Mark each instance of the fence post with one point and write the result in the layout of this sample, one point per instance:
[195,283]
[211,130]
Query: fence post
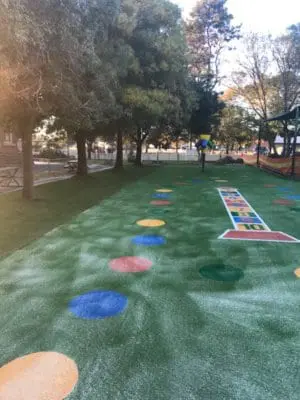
[295,142]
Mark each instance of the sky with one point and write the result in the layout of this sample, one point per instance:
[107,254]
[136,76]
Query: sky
[261,16]
[265,16]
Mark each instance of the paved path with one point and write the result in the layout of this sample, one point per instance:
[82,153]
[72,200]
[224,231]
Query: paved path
[42,181]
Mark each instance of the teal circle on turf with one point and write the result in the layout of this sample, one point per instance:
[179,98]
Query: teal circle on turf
[149,240]
[221,273]
[296,209]
[197,180]
[98,304]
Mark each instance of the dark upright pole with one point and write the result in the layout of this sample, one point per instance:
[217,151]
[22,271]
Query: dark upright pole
[203,160]
[295,143]
[259,144]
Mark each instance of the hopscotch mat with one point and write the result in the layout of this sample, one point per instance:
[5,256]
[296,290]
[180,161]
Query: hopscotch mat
[248,225]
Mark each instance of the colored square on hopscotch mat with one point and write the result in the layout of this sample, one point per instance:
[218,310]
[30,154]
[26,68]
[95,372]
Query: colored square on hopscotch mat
[247,220]
[228,189]
[239,209]
[234,204]
[234,198]
[233,194]
[231,198]
[243,214]
[248,227]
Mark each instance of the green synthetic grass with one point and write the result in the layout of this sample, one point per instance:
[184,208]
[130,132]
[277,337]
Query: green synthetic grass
[56,203]
[192,329]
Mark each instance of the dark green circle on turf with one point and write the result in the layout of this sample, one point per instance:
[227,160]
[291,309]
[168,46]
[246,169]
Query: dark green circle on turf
[296,209]
[221,273]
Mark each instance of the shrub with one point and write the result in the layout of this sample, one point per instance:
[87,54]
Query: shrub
[52,154]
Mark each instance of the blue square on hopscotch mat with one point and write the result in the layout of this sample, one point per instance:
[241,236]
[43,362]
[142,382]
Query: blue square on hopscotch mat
[294,197]
[247,220]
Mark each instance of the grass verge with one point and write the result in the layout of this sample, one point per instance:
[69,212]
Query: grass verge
[56,203]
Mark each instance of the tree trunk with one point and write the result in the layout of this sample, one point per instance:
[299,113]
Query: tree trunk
[285,139]
[289,146]
[138,157]
[28,161]
[119,157]
[90,149]
[177,148]
[81,151]
[272,147]
[227,149]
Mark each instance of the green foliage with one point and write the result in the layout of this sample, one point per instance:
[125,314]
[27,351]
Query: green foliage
[237,127]
[108,66]
[146,107]
[52,154]
[155,93]
[206,111]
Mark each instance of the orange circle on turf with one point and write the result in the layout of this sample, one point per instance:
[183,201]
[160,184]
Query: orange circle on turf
[164,190]
[160,202]
[151,222]
[297,272]
[38,376]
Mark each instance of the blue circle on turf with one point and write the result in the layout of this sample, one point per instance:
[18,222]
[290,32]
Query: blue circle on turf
[294,197]
[161,196]
[149,240]
[98,304]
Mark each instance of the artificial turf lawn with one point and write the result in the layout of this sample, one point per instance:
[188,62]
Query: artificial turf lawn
[187,333]
[56,203]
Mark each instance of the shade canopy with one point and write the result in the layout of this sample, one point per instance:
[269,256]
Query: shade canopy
[287,116]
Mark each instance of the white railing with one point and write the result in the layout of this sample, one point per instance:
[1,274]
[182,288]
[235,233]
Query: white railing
[159,156]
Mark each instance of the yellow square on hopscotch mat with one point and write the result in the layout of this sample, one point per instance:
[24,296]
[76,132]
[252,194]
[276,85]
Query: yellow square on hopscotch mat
[240,209]
[242,227]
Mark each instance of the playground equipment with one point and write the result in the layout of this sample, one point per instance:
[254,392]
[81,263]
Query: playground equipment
[202,144]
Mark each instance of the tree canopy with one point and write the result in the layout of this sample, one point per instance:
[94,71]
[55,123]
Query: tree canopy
[133,70]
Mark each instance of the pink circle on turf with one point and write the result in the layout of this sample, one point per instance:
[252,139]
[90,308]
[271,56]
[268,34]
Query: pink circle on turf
[160,202]
[130,264]
[284,202]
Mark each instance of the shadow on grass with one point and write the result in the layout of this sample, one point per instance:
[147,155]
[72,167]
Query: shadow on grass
[56,203]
